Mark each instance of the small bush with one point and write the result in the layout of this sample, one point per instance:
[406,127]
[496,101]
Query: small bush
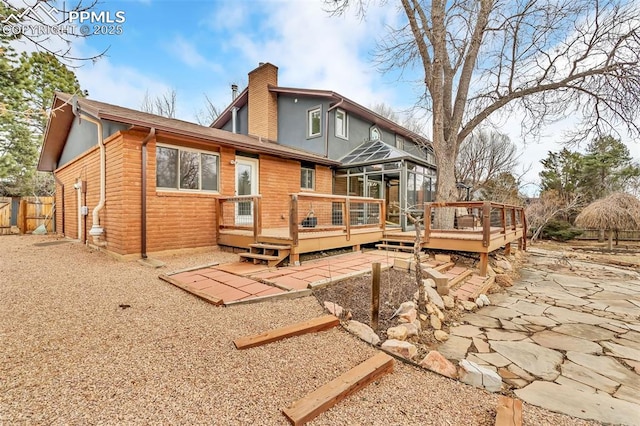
[560,230]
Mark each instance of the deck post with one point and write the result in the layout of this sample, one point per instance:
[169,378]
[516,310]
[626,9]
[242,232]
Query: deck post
[293,221]
[486,224]
[484,263]
[503,218]
[523,219]
[220,203]
[256,218]
[427,221]
[375,295]
[507,249]
[513,219]
[347,217]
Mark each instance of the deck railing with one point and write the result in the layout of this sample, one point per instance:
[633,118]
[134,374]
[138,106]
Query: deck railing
[323,212]
[240,212]
[473,217]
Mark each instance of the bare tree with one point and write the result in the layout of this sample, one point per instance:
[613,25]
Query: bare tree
[48,29]
[208,114]
[485,156]
[164,105]
[549,206]
[406,119]
[541,58]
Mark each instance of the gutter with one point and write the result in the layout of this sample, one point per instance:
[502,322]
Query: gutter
[143,194]
[326,127]
[96,231]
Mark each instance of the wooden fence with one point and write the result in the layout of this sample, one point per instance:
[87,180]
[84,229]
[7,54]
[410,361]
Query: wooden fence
[25,214]
[594,234]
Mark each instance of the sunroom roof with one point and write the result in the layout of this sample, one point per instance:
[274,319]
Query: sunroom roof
[377,151]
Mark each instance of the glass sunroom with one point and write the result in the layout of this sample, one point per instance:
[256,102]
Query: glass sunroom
[378,170]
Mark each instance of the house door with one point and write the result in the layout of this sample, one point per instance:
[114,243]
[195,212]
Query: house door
[246,184]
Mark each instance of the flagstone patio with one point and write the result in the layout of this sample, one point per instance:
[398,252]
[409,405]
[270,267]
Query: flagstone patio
[566,337]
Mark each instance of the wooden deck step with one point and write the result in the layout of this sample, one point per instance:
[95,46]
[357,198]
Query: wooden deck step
[458,279]
[258,256]
[328,395]
[317,324]
[509,412]
[398,240]
[444,267]
[394,247]
[270,246]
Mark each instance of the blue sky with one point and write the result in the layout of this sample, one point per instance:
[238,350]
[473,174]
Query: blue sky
[202,47]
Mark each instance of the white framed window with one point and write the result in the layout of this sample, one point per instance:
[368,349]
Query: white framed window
[186,169]
[314,121]
[374,133]
[342,124]
[308,177]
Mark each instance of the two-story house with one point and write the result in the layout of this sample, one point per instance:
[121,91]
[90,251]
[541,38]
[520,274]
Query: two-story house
[378,158]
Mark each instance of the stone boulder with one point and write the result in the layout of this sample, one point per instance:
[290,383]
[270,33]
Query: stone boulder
[334,308]
[406,312]
[448,301]
[468,305]
[434,361]
[363,331]
[480,377]
[504,265]
[401,348]
[397,333]
[504,280]
[440,336]
[434,297]
[412,328]
[435,322]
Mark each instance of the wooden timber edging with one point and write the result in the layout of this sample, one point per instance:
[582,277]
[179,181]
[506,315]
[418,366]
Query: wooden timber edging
[509,412]
[324,322]
[328,395]
[292,294]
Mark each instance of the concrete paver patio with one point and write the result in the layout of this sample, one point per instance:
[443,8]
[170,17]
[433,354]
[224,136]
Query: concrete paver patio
[567,337]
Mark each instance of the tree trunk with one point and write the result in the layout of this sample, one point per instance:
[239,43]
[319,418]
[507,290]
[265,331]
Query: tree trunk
[417,250]
[445,183]
[601,235]
[610,242]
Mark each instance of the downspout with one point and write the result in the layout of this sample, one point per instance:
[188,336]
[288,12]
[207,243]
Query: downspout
[96,231]
[59,182]
[326,127]
[143,194]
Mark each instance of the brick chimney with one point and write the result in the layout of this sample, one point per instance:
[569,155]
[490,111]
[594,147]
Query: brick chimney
[263,105]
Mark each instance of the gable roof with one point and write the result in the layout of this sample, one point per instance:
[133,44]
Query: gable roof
[345,103]
[61,120]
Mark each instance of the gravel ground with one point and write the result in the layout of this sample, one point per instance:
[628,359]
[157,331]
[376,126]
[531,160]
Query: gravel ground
[71,355]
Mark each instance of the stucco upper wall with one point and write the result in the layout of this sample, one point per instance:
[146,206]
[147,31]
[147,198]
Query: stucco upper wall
[242,121]
[83,135]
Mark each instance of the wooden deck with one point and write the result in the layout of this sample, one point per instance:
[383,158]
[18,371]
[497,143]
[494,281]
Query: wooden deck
[492,227]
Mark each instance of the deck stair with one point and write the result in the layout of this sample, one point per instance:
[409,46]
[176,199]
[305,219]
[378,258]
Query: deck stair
[269,254]
[396,244]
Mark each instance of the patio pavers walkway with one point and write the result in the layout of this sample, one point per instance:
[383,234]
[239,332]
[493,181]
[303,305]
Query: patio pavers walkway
[242,281]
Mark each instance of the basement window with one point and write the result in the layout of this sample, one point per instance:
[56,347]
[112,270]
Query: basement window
[186,169]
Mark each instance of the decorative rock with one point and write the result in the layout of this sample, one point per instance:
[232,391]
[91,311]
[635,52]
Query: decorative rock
[423,317]
[435,322]
[472,374]
[479,302]
[404,308]
[429,283]
[430,308]
[363,331]
[404,349]
[434,297]
[417,324]
[440,336]
[434,361]
[448,301]
[334,308]
[504,280]
[504,264]
[485,299]
[409,316]
[439,314]
[468,305]
[397,333]
[498,271]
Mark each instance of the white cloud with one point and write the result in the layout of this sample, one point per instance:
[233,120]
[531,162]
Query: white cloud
[187,53]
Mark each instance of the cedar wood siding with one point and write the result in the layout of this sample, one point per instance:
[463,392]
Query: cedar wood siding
[175,219]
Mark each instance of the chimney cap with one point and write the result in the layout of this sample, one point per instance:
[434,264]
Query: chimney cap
[260,64]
